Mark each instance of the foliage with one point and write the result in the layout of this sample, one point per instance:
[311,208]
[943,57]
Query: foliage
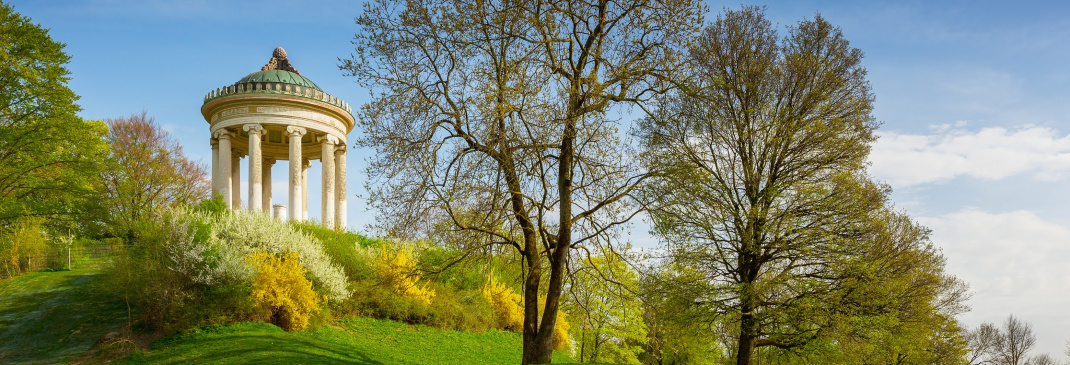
[146,172]
[343,247]
[251,233]
[491,116]
[678,332]
[603,296]
[560,338]
[376,294]
[178,277]
[506,304]
[282,294]
[189,268]
[767,200]
[22,248]
[49,157]
[396,266]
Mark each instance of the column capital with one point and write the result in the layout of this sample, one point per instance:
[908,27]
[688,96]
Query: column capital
[327,139]
[295,131]
[222,134]
[306,163]
[254,128]
[269,161]
[214,142]
[339,149]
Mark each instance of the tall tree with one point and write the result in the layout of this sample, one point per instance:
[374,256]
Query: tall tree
[1016,340]
[146,171]
[768,199]
[49,157]
[983,343]
[495,117]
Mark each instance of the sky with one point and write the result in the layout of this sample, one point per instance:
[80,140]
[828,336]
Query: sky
[973,97]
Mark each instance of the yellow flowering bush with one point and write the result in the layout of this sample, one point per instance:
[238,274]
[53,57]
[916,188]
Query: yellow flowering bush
[506,303]
[561,331]
[510,309]
[397,268]
[282,294]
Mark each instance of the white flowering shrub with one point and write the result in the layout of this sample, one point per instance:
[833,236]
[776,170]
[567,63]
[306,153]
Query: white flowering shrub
[251,233]
[198,254]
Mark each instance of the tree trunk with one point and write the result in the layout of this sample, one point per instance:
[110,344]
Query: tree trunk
[531,306]
[746,339]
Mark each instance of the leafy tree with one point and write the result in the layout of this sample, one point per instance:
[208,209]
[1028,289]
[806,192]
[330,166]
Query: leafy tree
[49,157]
[146,171]
[495,117]
[768,204]
[677,333]
[604,304]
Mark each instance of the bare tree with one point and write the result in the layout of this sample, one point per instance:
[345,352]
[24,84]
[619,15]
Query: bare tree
[1017,339]
[492,124]
[1042,359]
[983,344]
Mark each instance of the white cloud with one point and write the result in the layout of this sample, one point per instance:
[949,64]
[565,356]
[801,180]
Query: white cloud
[952,151]
[1015,262]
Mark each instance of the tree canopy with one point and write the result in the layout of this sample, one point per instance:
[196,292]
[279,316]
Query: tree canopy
[767,204]
[49,157]
[491,123]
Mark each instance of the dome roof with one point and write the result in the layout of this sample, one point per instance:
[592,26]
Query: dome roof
[280,76]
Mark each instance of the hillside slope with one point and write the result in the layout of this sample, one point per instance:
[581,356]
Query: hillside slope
[51,317]
[357,341]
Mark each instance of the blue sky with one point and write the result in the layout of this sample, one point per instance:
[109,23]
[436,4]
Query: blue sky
[974,97]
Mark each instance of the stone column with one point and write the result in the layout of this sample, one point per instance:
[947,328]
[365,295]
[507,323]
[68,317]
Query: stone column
[215,166]
[327,162]
[268,163]
[304,188]
[280,212]
[223,168]
[235,181]
[256,167]
[340,216]
[296,162]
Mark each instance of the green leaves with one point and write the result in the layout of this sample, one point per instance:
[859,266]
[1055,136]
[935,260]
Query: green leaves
[49,157]
[764,192]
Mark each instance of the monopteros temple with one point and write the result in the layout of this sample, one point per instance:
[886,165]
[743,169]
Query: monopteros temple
[277,114]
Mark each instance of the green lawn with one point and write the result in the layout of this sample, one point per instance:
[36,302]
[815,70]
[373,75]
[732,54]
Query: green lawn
[52,317]
[357,341]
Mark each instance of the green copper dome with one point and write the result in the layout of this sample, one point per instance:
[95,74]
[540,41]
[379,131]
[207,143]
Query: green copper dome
[280,76]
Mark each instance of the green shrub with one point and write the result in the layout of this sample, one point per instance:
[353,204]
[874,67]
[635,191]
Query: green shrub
[26,247]
[345,249]
[177,276]
[460,309]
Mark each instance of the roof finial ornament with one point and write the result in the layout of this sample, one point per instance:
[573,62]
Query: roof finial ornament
[279,62]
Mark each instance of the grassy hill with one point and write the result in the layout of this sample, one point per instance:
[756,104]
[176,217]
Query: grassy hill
[353,341]
[52,317]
